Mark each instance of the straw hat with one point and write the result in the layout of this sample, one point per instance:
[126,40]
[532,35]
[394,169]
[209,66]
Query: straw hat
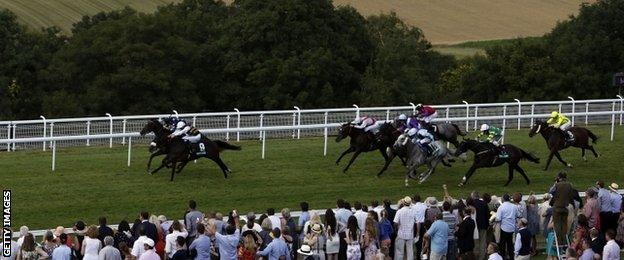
[614,187]
[305,250]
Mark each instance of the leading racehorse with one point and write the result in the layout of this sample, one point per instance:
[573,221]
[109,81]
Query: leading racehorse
[416,157]
[556,140]
[360,142]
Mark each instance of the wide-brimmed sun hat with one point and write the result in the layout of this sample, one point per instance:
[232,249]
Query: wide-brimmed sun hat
[305,250]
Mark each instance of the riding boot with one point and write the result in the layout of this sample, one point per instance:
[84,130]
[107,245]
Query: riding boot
[570,136]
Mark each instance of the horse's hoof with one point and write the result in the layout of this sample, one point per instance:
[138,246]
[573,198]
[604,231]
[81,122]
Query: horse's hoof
[570,165]
[461,184]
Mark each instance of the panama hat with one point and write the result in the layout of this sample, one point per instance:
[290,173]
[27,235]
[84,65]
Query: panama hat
[614,187]
[432,201]
[305,250]
[316,228]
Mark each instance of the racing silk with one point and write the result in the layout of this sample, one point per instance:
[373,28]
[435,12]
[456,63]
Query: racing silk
[492,134]
[412,123]
[558,121]
[424,136]
[366,121]
[426,111]
[181,128]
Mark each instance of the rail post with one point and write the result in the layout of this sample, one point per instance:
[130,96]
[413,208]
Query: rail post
[294,121]
[532,114]
[612,120]
[573,108]
[9,137]
[237,123]
[53,155]
[263,133]
[519,111]
[586,111]
[621,106]
[476,114]
[388,115]
[413,108]
[129,150]
[88,131]
[325,137]
[447,114]
[45,129]
[227,125]
[357,111]
[51,132]
[110,118]
[261,123]
[467,113]
[123,130]
[14,128]
[175,112]
[504,123]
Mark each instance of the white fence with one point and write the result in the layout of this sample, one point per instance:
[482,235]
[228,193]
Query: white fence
[249,124]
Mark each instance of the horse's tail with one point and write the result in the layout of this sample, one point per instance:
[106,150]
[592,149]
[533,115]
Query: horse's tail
[529,156]
[592,136]
[459,131]
[226,146]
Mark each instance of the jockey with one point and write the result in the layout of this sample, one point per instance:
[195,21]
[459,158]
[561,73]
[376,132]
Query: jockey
[423,139]
[426,113]
[181,129]
[369,124]
[560,121]
[412,122]
[490,134]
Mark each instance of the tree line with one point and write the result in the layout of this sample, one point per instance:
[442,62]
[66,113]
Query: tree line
[204,55]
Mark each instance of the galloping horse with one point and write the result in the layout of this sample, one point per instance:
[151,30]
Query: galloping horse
[387,135]
[556,141]
[487,156]
[360,142]
[179,152]
[448,132]
[416,158]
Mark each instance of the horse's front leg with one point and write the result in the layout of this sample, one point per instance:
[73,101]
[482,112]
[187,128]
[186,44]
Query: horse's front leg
[550,156]
[149,162]
[349,150]
[561,159]
[388,160]
[468,174]
[355,155]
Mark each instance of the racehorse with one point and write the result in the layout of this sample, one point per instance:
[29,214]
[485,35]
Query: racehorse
[556,140]
[159,144]
[487,155]
[416,157]
[179,151]
[387,135]
[448,132]
[360,142]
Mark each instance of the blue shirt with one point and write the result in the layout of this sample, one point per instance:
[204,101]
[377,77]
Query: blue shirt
[605,200]
[62,252]
[227,245]
[616,202]
[439,236]
[305,217]
[507,215]
[202,245]
[275,249]
[385,229]
[342,216]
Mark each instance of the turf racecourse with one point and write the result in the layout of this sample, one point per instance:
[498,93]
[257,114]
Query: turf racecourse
[92,182]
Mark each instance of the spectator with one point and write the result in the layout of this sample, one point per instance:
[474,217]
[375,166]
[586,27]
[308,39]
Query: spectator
[314,219]
[465,233]
[248,249]
[165,224]
[171,239]
[482,221]
[316,240]
[192,217]
[60,230]
[571,254]
[251,224]
[135,231]
[562,197]
[437,237]
[597,241]
[48,244]
[62,252]
[277,248]
[522,208]
[533,221]
[104,230]
[619,237]
[543,207]
[149,253]
[353,235]
[376,207]
[359,214]
[219,223]
[275,220]
[616,206]
[30,250]
[228,243]
[138,247]
[370,239]
[605,206]
[288,221]
[581,233]
[265,234]
[91,245]
[588,253]
[303,218]
[522,248]
[404,222]
[592,208]
[507,214]
[385,233]
[159,243]
[79,230]
[109,252]
[451,220]
[125,251]
[390,210]
[181,253]
[123,234]
[611,250]
[432,209]
[332,242]
[23,233]
[201,244]
[419,209]
[149,228]
[492,251]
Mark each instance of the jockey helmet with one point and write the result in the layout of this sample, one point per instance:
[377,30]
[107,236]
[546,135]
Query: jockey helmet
[485,127]
[170,120]
[554,114]
[402,117]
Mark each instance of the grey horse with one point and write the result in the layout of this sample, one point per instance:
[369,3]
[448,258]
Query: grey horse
[417,158]
[448,132]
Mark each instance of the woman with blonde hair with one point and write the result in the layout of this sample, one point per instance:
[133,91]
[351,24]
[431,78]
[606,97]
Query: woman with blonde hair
[247,251]
[370,239]
[91,245]
[315,238]
[30,250]
[265,233]
[159,245]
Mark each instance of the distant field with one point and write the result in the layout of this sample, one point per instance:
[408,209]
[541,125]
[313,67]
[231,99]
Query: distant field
[443,21]
[471,48]
[95,181]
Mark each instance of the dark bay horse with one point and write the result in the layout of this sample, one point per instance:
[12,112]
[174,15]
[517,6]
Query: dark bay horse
[487,156]
[179,153]
[387,136]
[448,132]
[360,142]
[556,140]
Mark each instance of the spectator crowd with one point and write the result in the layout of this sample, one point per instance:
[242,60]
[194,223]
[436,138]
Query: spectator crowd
[480,226]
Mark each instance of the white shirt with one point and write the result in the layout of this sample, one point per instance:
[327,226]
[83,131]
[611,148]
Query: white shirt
[255,227]
[495,256]
[361,218]
[611,251]
[139,246]
[419,209]
[92,248]
[378,210]
[405,218]
[149,255]
[63,252]
[171,245]
[275,222]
